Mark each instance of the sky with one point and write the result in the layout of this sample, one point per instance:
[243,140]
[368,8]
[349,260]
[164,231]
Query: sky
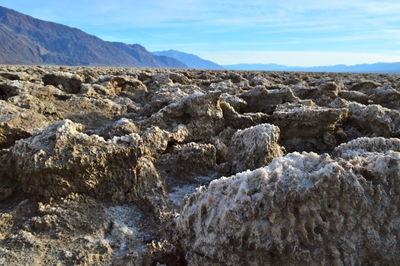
[289,32]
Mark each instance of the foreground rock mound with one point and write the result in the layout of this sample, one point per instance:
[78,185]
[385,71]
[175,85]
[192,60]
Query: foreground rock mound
[62,159]
[302,209]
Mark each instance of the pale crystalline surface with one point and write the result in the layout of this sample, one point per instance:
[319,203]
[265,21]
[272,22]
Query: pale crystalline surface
[254,147]
[302,209]
[366,147]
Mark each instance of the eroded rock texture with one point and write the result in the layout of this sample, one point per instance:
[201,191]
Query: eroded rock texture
[95,164]
[254,147]
[62,160]
[301,209]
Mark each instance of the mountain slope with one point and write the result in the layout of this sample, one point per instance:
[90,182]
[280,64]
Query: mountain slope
[191,60]
[26,40]
[361,68]
[144,57]
[272,67]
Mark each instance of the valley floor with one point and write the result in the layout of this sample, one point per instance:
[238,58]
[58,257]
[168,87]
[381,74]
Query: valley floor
[125,166]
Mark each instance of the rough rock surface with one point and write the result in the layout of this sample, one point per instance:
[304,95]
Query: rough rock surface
[70,83]
[186,162]
[302,209]
[265,100]
[96,163]
[61,160]
[366,146]
[375,120]
[254,147]
[17,123]
[308,127]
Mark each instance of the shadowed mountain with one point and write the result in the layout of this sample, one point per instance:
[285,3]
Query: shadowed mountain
[392,68]
[191,60]
[145,58]
[26,40]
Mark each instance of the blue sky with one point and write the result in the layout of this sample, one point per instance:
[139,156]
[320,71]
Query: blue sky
[297,33]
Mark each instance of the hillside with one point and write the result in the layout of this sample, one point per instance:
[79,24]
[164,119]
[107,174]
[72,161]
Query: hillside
[26,40]
[191,60]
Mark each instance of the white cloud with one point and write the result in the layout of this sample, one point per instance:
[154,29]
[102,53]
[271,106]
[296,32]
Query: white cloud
[221,13]
[219,28]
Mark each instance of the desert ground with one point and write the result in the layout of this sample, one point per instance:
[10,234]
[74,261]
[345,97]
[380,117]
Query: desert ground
[125,166]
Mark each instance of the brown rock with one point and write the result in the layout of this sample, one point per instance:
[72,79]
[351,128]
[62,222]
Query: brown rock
[374,120]
[265,100]
[305,127]
[17,123]
[61,160]
[186,162]
[70,83]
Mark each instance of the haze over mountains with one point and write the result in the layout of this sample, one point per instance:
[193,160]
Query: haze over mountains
[26,40]
[360,68]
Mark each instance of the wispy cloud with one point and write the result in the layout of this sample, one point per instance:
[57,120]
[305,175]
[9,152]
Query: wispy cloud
[353,26]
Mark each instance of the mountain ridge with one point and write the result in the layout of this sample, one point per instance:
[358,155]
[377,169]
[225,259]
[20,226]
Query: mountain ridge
[27,40]
[191,60]
[380,67]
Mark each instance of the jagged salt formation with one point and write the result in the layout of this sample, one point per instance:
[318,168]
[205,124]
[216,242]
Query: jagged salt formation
[365,147]
[16,123]
[62,160]
[254,147]
[95,164]
[302,209]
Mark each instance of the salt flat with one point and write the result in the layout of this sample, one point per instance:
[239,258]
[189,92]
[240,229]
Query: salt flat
[290,168]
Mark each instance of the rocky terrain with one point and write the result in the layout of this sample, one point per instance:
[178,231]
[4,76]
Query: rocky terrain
[122,166]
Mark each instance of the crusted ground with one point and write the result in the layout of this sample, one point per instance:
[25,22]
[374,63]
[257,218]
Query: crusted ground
[96,164]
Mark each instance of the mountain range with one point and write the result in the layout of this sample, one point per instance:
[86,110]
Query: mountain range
[26,40]
[391,68]
[191,60]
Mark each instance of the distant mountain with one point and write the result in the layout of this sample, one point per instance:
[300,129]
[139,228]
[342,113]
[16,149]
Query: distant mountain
[391,68]
[26,40]
[145,58]
[191,60]
[272,67]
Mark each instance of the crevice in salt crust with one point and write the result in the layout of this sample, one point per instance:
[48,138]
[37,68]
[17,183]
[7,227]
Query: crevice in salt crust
[126,233]
[301,209]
